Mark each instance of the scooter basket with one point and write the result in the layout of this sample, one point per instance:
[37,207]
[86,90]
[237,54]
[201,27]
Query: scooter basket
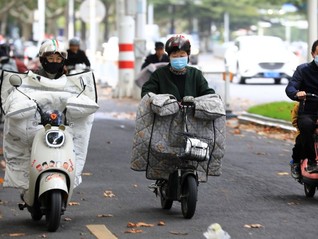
[196,150]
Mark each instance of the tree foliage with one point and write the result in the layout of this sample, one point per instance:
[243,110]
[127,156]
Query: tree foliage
[243,13]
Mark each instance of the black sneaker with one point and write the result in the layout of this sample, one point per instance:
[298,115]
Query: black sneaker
[312,168]
[295,170]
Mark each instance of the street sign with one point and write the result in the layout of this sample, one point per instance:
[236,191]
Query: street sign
[100,11]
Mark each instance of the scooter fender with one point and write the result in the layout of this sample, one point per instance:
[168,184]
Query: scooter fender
[52,180]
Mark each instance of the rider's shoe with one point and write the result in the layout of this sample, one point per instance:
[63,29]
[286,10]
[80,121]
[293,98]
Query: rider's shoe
[312,168]
[295,170]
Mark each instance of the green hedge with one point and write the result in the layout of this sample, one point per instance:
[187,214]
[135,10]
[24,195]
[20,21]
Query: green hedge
[277,110]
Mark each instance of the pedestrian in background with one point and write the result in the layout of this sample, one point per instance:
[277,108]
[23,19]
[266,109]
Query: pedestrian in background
[159,56]
[76,55]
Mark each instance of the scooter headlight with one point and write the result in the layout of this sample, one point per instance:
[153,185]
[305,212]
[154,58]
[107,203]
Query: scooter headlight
[55,138]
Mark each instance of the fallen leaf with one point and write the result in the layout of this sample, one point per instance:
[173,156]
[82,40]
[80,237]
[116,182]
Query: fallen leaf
[161,223]
[43,236]
[133,230]
[179,233]
[260,153]
[253,226]
[109,194]
[293,203]
[87,174]
[135,186]
[67,219]
[282,173]
[73,203]
[139,224]
[105,215]
[17,234]
[143,224]
[131,224]
[237,131]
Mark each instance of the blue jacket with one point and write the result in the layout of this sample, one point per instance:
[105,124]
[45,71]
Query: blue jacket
[305,78]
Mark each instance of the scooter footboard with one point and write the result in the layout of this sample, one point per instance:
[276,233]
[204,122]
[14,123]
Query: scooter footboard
[52,180]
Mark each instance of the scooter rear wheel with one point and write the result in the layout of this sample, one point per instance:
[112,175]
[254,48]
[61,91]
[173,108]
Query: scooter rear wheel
[54,209]
[36,214]
[309,190]
[165,202]
[189,196]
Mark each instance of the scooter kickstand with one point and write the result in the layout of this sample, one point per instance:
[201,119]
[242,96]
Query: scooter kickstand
[22,206]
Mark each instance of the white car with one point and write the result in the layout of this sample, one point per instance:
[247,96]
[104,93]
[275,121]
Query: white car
[260,57]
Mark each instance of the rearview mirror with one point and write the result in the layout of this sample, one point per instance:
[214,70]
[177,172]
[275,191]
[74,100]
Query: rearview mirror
[15,80]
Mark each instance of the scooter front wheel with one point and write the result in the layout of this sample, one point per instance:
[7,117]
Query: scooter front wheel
[165,202]
[54,209]
[189,196]
[309,190]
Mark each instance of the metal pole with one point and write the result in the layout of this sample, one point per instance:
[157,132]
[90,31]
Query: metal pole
[70,33]
[226,27]
[92,32]
[312,6]
[150,14]
[41,6]
[228,110]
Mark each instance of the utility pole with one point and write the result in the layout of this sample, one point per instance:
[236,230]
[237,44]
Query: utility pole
[70,28]
[312,25]
[140,42]
[41,14]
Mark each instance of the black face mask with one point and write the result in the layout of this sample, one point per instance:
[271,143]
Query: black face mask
[52,67]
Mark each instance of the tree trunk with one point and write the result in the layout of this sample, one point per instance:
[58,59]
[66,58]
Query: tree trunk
[26,30]
[4,20]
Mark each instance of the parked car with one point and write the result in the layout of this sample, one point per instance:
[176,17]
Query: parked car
[260,57]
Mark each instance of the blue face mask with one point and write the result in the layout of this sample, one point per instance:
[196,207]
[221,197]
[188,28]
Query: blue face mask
[179,63]
[316,60]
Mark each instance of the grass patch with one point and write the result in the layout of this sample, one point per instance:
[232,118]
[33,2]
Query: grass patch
[277,110]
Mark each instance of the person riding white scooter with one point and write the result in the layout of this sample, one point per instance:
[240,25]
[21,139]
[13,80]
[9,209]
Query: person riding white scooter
[48,118]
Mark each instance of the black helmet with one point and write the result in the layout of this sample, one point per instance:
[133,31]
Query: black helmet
[178,43]
[74,42]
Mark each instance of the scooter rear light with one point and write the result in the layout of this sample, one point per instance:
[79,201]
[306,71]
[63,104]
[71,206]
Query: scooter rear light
[54,138]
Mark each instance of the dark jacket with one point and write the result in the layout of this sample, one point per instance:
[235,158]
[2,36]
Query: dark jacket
[154,59]
[305,78]
[161,82]
[77,58]
[42,72]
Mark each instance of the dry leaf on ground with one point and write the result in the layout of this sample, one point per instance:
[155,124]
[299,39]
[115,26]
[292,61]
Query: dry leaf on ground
[179,233]
[109,194]
[17,234]
[73,203]
[282,173]
[139,224]
[253,225]
[161,223]
[67,219]
[293,203]
[133,231]
[87,174]
[105,215]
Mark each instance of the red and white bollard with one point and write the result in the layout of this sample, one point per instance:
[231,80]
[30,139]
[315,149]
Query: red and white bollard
[126,61]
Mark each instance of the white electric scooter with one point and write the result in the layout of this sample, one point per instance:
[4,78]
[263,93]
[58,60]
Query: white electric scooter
[52,167]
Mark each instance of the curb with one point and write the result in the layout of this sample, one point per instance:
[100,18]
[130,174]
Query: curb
[265,121]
